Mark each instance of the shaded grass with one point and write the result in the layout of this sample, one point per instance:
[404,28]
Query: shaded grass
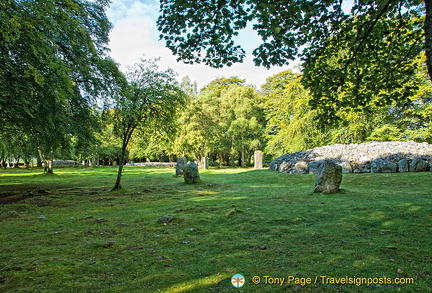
[80,237]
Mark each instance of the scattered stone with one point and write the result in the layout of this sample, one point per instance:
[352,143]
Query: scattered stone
[181,163]
[314,167]
[418,165]
[301,167]
[88,217]
[100,220]
[42,217]
[346,167]
[233,212]
[166,219]
[123,224]
[108,244]
[329,178]
[403,165]
[193,230]
[258,247]
[399,271]
[186,242]
[191,173]
[382,166]
[161,258]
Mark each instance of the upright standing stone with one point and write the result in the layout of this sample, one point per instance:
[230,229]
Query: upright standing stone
[329,177]
[204,163]
[191,174]
[258,160]
[181,163]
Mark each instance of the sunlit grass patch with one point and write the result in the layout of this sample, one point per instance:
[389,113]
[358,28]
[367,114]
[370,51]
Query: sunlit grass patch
[159,234]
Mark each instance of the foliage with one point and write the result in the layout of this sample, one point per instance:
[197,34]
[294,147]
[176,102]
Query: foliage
[149,100]
[291,124]
[53,67]
[345,53]
[225,121]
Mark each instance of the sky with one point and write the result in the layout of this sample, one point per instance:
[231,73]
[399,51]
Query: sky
[135,36]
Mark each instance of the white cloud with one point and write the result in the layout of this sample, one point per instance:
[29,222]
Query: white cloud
[135,36]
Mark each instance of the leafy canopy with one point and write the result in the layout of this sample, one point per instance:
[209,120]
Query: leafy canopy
[346,53]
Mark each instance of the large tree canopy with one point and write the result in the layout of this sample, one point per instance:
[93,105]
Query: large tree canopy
[53,66]
[346,46]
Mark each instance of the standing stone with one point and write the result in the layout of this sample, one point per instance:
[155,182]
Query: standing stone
[204,163]
[191,174]
[181,163]
[403,165]
[418,165]
[258,160]
[329,177]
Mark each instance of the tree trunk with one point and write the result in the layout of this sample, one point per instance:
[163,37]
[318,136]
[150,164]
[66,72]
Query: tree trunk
[39,159]
[117,185]
[17,162]
[122,159]
[428,36]
[49,167]
[243,156]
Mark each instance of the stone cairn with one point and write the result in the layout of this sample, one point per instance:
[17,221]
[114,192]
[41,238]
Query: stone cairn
[372,157]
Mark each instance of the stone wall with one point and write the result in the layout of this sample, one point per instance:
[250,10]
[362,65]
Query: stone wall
[375,157]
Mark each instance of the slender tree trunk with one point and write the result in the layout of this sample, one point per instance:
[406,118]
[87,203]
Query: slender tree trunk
[126,138]
[117,185]
[428,36]
[243,156]
[49,166]
[17,162]
[39,158]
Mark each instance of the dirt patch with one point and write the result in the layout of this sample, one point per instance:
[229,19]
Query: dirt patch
[21,193]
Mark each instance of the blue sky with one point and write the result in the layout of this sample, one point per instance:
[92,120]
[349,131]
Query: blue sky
[135,36]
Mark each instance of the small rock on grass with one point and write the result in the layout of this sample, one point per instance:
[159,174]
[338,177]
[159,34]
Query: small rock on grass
[108,244]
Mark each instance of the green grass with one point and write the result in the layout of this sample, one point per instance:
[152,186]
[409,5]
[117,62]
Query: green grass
[68,233]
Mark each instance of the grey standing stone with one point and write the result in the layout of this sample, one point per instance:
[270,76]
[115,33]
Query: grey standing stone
[204,163]
[329,177]
[181,163]
[403,165]
[258,160]
[418,165]
[191,173]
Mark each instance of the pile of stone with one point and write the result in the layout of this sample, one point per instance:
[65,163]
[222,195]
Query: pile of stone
[372,157]
[155,164]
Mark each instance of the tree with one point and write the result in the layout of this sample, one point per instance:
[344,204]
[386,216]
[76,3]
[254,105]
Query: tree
[291,124]
[53,63]
[376,42]
[150,98]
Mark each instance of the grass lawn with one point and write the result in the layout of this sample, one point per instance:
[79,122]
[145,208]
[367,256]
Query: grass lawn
[68,232]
